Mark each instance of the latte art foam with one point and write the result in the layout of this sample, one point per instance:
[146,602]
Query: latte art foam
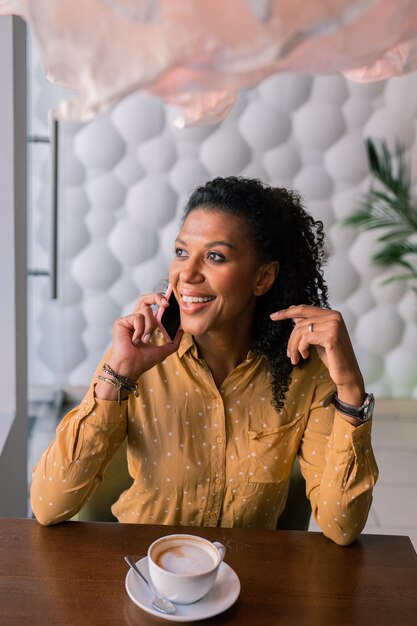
[190,559]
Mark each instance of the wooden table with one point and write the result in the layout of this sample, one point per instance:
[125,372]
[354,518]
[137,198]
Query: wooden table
[74,573]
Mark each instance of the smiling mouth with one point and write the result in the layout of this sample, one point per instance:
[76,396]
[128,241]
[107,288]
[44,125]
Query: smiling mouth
[195,299]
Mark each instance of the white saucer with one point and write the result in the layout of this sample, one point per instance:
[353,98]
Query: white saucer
[222,595]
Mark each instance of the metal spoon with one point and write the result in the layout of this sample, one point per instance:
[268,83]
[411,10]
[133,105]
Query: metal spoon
[159,602]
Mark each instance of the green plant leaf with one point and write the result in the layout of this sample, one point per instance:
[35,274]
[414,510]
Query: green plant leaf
[399,234]
[387,281]
[381,163]
[389,206]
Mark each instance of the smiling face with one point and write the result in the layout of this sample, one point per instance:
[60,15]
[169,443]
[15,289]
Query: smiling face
[215,274]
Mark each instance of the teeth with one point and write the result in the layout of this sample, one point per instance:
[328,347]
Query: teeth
[195,299]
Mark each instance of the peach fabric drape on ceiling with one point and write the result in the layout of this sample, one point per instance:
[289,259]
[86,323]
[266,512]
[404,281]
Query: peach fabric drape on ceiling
[197,54]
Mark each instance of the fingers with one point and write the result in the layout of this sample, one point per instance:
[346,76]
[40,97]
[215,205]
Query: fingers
[298,344]
[129,347]
[300,312]
[324,329]
[312,326]
[139,325]
[305,314]
[301,338]
[144,321]
[141,329]
[172,346]
[149,299]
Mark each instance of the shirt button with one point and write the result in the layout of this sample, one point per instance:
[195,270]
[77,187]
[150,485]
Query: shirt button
[219,440]
[218,481]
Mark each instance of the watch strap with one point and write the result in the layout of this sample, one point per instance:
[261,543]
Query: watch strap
[362,413]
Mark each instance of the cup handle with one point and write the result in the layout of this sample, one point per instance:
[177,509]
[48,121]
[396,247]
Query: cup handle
[221,548]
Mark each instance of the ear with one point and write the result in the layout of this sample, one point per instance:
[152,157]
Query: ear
[267,275]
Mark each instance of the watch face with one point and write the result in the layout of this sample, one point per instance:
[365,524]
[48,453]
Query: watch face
[368,407]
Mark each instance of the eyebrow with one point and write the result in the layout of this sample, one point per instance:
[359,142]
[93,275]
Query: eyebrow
[211,244]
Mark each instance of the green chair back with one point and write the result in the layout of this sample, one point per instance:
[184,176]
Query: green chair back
[297,512]
[116,479]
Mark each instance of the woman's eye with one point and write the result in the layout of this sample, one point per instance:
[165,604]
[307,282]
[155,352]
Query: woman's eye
[179,252]
[216,257]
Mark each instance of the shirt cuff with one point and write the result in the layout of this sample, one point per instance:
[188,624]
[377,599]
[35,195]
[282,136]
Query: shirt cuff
[99,411]
[345,435]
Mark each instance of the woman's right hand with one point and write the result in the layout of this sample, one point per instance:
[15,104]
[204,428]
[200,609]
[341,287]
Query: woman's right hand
[132,354]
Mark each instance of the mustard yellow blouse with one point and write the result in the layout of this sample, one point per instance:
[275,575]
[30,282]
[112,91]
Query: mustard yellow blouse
[200,455]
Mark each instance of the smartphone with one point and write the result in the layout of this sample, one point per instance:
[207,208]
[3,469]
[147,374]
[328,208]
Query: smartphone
[169,319]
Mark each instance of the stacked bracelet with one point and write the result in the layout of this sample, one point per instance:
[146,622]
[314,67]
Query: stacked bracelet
[120,382]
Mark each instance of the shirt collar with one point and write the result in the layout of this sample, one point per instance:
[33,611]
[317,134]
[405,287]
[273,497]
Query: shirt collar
[188,343]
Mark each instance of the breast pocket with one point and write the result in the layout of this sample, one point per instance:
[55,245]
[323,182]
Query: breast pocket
[272,451]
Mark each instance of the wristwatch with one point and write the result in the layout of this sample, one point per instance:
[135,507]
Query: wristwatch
[363,413]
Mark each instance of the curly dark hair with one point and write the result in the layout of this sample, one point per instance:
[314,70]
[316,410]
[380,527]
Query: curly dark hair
[281,230]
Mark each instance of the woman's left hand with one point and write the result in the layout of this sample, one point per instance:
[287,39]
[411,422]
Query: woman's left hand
[325,329]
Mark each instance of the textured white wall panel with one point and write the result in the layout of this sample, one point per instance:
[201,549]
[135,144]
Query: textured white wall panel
[285,159]
[401,363]
[100,223]
[72,171]
[152,202]
[96,268]
[342,203]
[380,329]
[157,155]
[322,210]
[76,198]
[147,276]
[362,249]
[287,92]
[98,145]
[71,291]
[407,308]
[76,236]
[124,290]
[225,150]
[390,293]
[360,301]
[392,125]
[138,118]
[342,279]
[372,366]
[263,126]
[67,328]
[128,171]
[187,173]
[317,126]
[132,244]
[314,182]
[330,90]
[105,192]
[356,112]
[345,161]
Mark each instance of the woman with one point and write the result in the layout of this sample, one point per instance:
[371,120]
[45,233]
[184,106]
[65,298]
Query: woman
[220,413]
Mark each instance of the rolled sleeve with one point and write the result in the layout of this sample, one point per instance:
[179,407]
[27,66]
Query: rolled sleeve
[72,466]
[339,466]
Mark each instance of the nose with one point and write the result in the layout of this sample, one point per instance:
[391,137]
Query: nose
[191,272]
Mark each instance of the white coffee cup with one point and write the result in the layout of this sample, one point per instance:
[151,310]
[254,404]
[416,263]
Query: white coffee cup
[183,568]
